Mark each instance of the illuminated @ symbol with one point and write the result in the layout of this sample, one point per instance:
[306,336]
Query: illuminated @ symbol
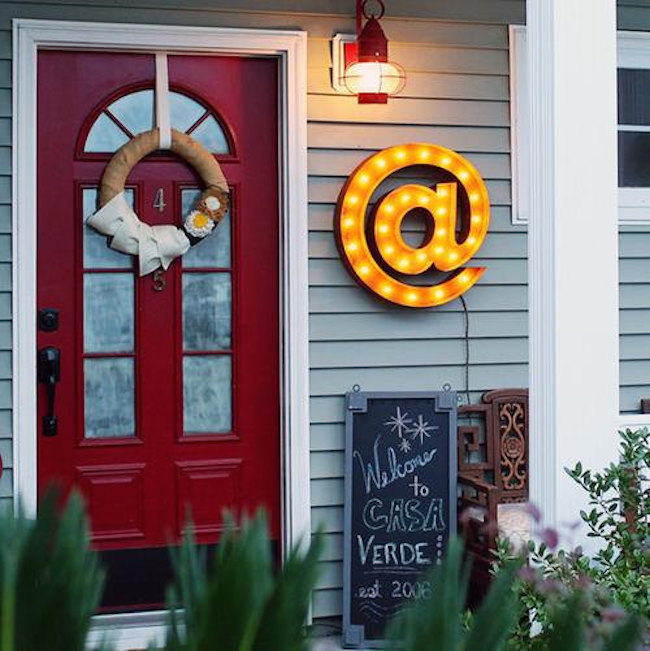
[374,249]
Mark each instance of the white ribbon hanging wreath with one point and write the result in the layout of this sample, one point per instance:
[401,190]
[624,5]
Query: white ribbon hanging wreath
[158,246]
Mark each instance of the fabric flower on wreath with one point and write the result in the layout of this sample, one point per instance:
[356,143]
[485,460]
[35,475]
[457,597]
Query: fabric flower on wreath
[198,224]
[214,205]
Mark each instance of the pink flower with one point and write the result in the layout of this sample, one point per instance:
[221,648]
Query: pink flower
[612,614]
[550,538]
[527,574]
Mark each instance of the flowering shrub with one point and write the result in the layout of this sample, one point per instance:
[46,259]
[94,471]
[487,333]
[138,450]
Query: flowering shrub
[616,579]
[443,623]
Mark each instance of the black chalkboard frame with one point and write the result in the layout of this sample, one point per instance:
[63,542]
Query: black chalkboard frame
[357,402]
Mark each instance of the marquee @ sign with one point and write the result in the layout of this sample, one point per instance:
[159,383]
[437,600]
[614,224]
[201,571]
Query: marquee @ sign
[442,251]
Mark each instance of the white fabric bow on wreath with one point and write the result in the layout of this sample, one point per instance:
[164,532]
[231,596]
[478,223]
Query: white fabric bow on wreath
[158,246]
[155,246]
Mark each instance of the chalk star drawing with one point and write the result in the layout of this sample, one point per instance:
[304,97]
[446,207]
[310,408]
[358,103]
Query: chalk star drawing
[404,445]
[421,429]
[399,423]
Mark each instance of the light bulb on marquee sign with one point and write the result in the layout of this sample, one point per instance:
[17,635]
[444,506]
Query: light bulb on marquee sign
[369,259]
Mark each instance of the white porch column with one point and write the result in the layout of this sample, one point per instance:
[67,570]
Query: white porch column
[573,244]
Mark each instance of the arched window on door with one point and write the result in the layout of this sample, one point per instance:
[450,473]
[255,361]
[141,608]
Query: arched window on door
[133,113]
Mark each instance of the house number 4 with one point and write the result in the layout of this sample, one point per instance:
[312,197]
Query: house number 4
[159,200]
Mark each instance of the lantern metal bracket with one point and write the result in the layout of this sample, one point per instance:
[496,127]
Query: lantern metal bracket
[344,49]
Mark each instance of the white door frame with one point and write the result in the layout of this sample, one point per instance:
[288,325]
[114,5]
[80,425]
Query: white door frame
[290,48]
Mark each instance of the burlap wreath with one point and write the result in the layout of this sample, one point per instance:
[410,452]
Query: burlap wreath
[157,246]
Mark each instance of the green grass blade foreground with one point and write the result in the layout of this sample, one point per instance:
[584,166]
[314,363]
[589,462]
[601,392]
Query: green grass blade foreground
[50,581]
[237,602]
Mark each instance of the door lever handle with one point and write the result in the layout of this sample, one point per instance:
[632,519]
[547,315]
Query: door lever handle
[49,373]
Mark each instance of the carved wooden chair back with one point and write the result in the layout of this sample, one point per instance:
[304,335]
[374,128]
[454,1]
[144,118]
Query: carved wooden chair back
[492,471]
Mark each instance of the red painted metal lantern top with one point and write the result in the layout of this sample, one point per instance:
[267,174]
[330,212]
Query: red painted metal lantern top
[372,42]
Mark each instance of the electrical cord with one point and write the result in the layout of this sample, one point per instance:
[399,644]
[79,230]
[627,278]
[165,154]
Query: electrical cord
[466,316]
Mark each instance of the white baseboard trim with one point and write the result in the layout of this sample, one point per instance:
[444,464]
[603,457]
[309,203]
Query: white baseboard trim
[129,631]
[634,421]
[136,631]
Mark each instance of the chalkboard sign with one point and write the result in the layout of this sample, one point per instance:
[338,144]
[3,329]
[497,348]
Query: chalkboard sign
[400,504]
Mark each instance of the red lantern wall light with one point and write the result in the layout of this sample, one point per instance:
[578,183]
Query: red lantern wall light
[365,70]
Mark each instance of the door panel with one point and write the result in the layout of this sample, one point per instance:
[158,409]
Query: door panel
[168,400]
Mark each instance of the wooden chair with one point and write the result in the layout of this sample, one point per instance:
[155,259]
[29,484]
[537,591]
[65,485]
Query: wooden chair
[492,471]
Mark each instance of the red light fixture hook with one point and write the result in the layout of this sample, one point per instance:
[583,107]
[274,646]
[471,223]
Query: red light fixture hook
[363,11]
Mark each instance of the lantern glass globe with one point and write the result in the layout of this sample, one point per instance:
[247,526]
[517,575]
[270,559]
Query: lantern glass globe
[374,77]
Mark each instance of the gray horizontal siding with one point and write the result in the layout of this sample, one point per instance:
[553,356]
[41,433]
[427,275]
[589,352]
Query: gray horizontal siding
[329,162]
[423,57]
[371,354]
[356,339]
[634,297]
[430,85]
[484,298]
[509,272]
[375,136]
[325,189]
[452,112]
[331,382]
[6,450]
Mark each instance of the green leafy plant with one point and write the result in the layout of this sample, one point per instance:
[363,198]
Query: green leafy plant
[50,582]
[237,602]
[619,516]
[443,623]
[546,585]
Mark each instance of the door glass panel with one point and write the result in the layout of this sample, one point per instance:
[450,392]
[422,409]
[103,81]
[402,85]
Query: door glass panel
[213,251]
[97,254]
[207,394]
[184,111]
[109,390]
[135,111]
[210,134]
[206,311]
[105,135]
[108,312]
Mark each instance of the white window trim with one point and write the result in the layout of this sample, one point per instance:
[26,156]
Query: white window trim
[633,51]
[290,48]
[519,107]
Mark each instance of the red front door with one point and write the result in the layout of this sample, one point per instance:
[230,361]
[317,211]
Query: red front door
[168,399]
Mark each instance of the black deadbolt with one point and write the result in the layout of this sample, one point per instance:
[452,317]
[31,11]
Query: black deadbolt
[48,319]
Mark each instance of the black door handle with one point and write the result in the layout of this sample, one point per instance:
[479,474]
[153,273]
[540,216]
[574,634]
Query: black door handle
[49,373]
